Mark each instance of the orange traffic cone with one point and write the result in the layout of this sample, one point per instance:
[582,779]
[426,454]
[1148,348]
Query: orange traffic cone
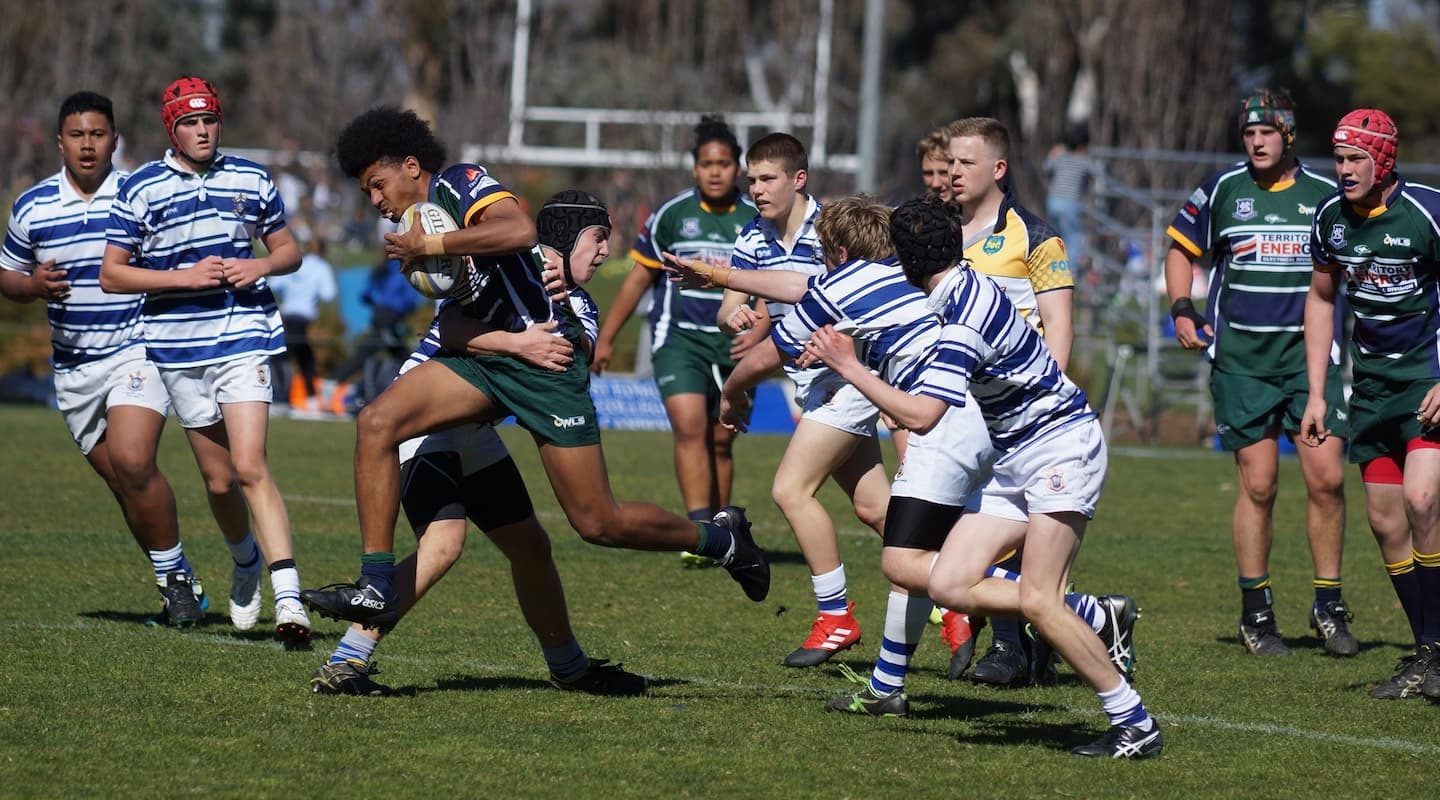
[299,397]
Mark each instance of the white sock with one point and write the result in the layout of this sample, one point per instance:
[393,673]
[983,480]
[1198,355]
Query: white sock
[830,591]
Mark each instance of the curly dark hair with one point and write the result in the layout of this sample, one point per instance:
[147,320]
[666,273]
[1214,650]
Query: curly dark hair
[387,134]
[714,128]
[927,237]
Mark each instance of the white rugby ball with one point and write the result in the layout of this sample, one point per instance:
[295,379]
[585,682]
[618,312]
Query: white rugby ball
[432,276]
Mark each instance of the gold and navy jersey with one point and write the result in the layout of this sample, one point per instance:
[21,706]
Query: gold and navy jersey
[1024,255]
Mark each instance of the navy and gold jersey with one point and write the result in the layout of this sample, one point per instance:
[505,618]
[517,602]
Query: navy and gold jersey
[1024,255]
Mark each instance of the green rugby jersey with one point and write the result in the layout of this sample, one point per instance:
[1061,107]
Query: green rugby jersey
[1390,259]
[690,228]
[1260,267]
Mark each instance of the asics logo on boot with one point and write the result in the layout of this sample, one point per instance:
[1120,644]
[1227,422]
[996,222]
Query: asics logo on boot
[361,600]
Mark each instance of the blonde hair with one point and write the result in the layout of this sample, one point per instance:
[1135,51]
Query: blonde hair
[935,144]
[991,130]
[859,224]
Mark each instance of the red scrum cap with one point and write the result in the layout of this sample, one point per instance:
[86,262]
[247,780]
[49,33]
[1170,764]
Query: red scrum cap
[1372,132]
[186,96]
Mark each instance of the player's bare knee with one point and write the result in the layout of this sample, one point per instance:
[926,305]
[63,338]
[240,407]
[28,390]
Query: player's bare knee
[1260,492]
[374,427]
[1039,604]
[872,515]
[251,471]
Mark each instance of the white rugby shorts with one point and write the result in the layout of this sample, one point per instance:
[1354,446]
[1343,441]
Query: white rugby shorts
[198,392]
[950,462]
[86,393]
[832,401]
[1062,471]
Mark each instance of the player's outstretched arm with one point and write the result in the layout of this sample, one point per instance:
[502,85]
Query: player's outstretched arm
[913,412]
[781,285]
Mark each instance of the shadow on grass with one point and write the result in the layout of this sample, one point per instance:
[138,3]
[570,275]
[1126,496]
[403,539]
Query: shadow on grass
[212,624]
[1308,643]
[1012,731]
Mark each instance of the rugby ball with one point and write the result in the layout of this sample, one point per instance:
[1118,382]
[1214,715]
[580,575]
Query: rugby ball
[432,276]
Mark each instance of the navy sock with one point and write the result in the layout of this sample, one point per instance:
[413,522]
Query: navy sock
[715,541]
[1407,590]
[379,568]
[1255,594]
[1327,590]
[1427,575]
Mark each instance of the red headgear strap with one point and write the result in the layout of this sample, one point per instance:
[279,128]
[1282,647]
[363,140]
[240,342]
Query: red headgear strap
[186,96]
[1372,132]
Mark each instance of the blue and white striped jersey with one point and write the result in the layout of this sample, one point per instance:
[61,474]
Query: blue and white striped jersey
[51,221]
[870,301]
[987,349]
[760,247]
[588,311]
[170,219]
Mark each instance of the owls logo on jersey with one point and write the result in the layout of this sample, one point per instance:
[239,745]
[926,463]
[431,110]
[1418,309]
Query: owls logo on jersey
[1337,235]
[1244,208]
[993,244]
[690,227]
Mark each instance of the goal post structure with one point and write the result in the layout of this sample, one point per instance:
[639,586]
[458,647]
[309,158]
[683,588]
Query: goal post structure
[673,125]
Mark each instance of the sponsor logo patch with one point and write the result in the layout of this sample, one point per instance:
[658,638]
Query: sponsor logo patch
[992,245]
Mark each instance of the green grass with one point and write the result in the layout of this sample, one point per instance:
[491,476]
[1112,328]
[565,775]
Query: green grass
[92,703]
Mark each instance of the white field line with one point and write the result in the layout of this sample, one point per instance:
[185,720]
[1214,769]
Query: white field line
[1181,720]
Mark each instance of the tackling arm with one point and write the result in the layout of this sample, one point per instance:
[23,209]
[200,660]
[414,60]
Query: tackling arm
[914,412]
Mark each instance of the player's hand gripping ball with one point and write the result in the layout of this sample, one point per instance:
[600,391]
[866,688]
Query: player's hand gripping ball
[432,276]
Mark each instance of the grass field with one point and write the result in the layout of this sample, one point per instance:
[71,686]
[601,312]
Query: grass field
[96,704]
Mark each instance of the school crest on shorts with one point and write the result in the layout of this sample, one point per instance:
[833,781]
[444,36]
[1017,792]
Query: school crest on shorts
[1244,208]
[1337,235]
[137,381]
[1055,480]
[993,244]
[690,227]
[262,375]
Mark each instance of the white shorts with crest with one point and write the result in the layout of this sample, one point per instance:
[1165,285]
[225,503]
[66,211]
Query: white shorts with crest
[85,394]
[1063,471]
[198,392]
